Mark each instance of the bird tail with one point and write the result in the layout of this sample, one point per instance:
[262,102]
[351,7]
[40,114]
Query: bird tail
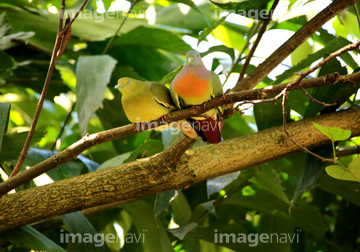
[210,129]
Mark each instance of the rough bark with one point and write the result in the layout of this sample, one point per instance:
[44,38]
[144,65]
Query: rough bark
[147,176]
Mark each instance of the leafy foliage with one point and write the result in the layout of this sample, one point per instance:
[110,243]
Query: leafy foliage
[240,211]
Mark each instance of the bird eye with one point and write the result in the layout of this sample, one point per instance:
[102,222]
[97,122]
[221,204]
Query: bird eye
[128,82]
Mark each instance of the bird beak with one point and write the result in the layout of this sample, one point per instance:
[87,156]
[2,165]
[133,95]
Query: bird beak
[190,60]
[118,86]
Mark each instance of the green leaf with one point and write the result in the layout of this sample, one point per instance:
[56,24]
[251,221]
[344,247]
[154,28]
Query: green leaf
[181,209]
[4,120]
[31,73]
[312,170]
[90,26]
[215,185]
[28,237]
[90,164]
[162,201]
[106,223]
[69,169]
[301,53]
[189,3]
[12,144]
[4,27]
[237,126]
[269,179]
[348,190]
[227,236]
[6,64]
[181,232]
[232,35]
[220,48]
[172,16]
[147,149]
[154,38]
[352,173]
[334,133]
[153,234]
[268,115]
[209,29]
[170,76]
[330,47]
[111,116]
[118,160]
[92,75]
[304,216]
[275,225]
[153,63]
[86,237]
[209,206]
[337,94]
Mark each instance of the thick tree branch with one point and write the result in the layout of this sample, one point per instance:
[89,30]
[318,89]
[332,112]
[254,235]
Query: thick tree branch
[291,44]
[145,177]
[91,140]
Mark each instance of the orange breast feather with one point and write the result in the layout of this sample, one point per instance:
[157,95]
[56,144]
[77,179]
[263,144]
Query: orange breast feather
[191,86]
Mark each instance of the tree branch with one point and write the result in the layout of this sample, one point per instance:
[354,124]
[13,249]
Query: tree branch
[105,136]
[291,44]
[147,176]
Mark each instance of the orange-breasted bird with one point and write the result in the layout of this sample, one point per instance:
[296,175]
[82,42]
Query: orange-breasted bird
[195,85]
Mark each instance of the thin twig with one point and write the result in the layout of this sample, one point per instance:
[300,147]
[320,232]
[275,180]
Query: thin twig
[120,26]
[237,61]
[256,43]
[63,31]
[357,15]
[327,60]
[45,88]
[285,93]
[313,99]
[42,96]
[320,64]
[63,127]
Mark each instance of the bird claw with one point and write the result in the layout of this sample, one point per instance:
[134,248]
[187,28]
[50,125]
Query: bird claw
[163,118]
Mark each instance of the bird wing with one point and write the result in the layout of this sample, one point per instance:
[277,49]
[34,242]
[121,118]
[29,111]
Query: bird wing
[162,95]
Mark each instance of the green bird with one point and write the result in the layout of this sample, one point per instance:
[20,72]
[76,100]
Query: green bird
[195,85]
[149,101]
